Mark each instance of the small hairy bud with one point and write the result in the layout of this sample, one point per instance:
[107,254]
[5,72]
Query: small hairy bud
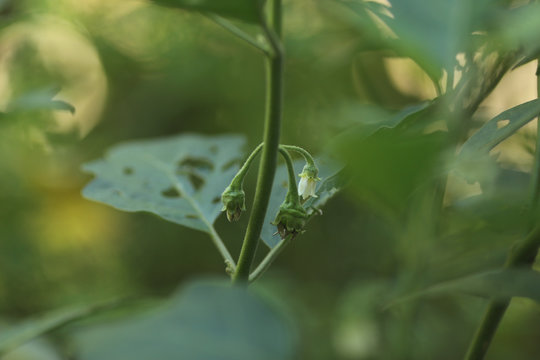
[290,219]
[234,202]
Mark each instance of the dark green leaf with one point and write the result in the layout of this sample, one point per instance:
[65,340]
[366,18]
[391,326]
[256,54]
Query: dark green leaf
[500,127]
[246,10]
[206,320]
[179,178]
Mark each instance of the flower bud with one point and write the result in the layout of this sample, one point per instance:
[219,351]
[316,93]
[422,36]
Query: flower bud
[308,181]
[290,219]
[234,202]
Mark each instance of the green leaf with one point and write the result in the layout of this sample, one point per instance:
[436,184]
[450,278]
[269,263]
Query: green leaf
[497,284]
[326,189]
[17,335]
[500,127]
[245,10]
[206,320]
[389,156]
[179,178]
[41,99]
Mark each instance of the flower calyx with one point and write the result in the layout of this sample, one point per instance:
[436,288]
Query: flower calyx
[234,202]
[308,181]
[290,219]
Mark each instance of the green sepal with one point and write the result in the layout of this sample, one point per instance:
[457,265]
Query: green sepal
[234,202]
[290,219]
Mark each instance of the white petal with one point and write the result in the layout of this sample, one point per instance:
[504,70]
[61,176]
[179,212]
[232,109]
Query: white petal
[312,185]
[302,186]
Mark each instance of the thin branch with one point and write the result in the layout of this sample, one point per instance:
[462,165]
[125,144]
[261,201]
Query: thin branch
[524,254]
[269,258]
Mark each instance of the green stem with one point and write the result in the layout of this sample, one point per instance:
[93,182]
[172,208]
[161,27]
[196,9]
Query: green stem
[307,156]
[523,254]
[535,179]
[272,127]
[269,259]
[292,196]
[239,177]
[292,192]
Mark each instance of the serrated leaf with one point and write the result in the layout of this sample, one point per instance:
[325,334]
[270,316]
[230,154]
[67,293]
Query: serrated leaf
[501,127]
[497,284]
[206,320]
[245,10]
[326,189]
[179,178]
[18,334]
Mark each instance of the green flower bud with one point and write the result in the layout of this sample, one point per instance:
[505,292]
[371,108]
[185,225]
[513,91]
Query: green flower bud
[290,219]
[234,202]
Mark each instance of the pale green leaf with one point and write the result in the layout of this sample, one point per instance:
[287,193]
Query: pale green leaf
[245,10]
[18,334]
[500,127]
[179,178]
[41,99]
[206,320]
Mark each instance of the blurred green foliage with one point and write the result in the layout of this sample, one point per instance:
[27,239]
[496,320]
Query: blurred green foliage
[392,89]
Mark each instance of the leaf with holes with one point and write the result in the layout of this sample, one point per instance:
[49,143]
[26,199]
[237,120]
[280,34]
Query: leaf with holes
[501,127]
[179,178]
[329,172]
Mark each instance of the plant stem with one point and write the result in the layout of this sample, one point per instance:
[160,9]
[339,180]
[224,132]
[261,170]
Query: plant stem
[535,188]
[269,259]
[272,128]
[292,191]
[241,174]
[307,156]
[523,254]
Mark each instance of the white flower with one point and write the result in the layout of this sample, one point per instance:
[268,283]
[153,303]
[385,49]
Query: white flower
[307,186]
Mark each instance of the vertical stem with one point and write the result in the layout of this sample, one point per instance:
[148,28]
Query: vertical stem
[535,178]
[523,255]
[272,127]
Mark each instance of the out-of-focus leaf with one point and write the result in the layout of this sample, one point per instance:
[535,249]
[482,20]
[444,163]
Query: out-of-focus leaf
[327,188]
[518,27]
[430,33]
[206,320]
[497,284]
[38,349]
[180,178]
[39,100]
[500,127]
[369,122]
[16,335]
[389,158]
[246,10]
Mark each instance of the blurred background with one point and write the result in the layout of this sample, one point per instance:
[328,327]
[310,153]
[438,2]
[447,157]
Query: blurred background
[135,70]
